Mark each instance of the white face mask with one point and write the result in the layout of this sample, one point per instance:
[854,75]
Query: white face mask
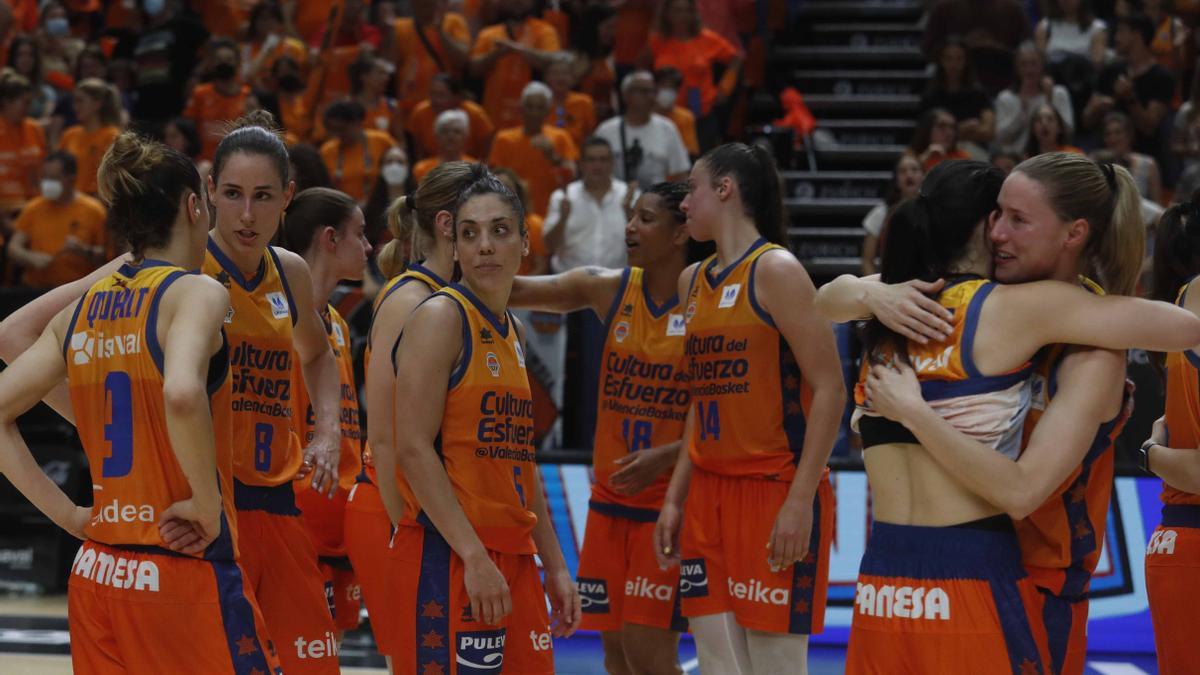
[665,98]
[395,173]
[52,189]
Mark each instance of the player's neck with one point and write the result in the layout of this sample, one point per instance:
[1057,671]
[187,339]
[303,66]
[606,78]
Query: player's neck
[324,279]
[735,240]
[662,278]
[440,260]
[246,263]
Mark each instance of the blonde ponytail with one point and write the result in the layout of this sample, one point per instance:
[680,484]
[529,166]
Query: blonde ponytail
[1116,255]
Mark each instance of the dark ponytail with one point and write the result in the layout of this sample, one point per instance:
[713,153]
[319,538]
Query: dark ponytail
[753,169]
[312,210]
[1176,249]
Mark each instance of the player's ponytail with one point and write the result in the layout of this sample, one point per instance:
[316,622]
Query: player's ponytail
[312,210]
[1176,249]
[142,182]
[757,178]
[413,217]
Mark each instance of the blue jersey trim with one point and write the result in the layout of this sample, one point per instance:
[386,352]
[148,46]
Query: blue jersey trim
[657,311]
[232,269]
[762,313]
[433,638]
[502,329]
[967,345]
[287,290]
[237,618]
[71,328]
[612,309]
[714,281]
[152,343]
[279,499]
[936,390]
[627,512]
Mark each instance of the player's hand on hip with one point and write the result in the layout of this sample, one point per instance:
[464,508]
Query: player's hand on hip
[487,590]
[187,527]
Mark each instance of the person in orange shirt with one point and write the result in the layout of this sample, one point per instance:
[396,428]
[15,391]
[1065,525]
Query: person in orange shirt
[267,41]
[295,99]
[369,77]
[98,107]
[936,139]
[451,129]
[353,155]
[433,41]
[538,260]
[506,54]
[22,143]
[310,19]
[215,104]
[446,93]
[542,155]
[668,80]
[572,110]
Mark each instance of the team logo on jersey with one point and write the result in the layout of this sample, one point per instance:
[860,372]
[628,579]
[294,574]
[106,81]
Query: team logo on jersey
[621,331]
[480,652]
[229,315]
[627,309]
[279,307]
[493,364]
[338,336]
[520,353]
[691,311]
[485,336]
[729,296]
[593,595]
[87,345]
[676,325]
[693,578]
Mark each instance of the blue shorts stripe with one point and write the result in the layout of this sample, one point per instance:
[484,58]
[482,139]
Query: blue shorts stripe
[804,579]
[433,605]
[1057,615]
[1014,623]
[237,616]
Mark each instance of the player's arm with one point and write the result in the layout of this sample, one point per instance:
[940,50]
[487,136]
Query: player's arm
[429,349]
[26,380]
[1090,383]
[589,287]
[320,376]
[905,308]
[784,291]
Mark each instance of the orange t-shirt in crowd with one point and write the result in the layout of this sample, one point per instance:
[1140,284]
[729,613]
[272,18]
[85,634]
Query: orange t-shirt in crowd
[382,115]
[310,19]
[48,224]
[939,157]
[337,72]
[286,46]
[511,72]
[694,58]
[355,169]
[631,31]
[420,125]
[599,82]
[514,149]
[296,111]
[415,67]
[22,149]
[577,115]
[685,122]
[226,18]
[430,163]
[212,111]
[89,148]
[534,224]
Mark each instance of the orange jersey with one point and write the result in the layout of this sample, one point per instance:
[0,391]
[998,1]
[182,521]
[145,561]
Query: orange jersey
[22,149]
[295,111]
[694,58]
[1183,407]
[115,371]
[486,440]
[417,60]
[749,394]
[479,134]
[643,395]
[511,72]
[514,149]
[261,316]
[89,148]
[355,169]
[685,122]
[535,225]
[212,111]
[48,224]
[576,115]
[339,341]
[430,163]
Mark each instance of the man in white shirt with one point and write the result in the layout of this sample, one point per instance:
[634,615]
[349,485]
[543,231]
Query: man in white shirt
[585,224]
[645,145]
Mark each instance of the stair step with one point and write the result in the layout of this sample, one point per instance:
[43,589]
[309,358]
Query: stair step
[861,82]
[867,10]
[826,105]
[843,208]
[878,157]
[837,185]
[826,232]
[830,266]
[841,56]
[865,34]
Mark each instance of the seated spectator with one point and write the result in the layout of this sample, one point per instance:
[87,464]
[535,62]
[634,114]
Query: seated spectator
[92,63]
[1136,85]
[267,41]
[306,167]
[59,236]
[1049,132]
[395,181]
[1071,27]
[647,148]
[448,94]
[442,45]
[572,110]
[506,54]
[451,128]
[1171,34]
[906,183]
[287,82]
[585,224]
[369,78]
[936,139]
[538,260]
[22,144]
[221,100]
[1118,140]
[356,37]
[542,155]
[353,155]
[1015,105]
[59,49]
[991,30]
[954,88]
[98,107]
[666,103]
[592,38]
[25,58]
[1185,132]
[1004,160]
[180,134]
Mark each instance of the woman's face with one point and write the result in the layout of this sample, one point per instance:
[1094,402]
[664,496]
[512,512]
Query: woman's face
[376,79]
[489,243]
[1029,66]
[945,131]
[652,233]
[249,199]
[1026,234]
[352,248]
[954,62]
[702,203]
[90,66]
[1045,126]
[1116,138]
[451,137]
[908,176]
[86,107]
[1068,7]
[174,138]
[680,16]
[17,108]
[25,59]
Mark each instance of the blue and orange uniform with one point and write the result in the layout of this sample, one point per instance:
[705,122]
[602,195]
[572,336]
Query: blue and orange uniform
[750,403]
[325,516]
[1173,555]
[368,527]
[1061,541]
[486,448]
[932,598]
[277,554]
[643,400]
[130,598]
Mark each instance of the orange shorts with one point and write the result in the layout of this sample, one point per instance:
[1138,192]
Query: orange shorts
[1173,587]
[281,567]
[619,579]
[436,633]
[931,599]
[324,518]
[136,611]
[726,526]
[1063,615]
[343,594]
[367,531]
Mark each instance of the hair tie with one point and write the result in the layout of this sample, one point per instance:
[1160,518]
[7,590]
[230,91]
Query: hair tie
[410,200]
[1110,175]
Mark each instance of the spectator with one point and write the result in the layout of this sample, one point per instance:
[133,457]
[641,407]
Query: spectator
[216,103]
[954,88]
[1170,33]
[307,168]
[445,94]
[25,58]
[538,260]
[59,236]
[1137,86]
[180,134]
[646,146]
[22,143]
[585,224]
[666,103]
[1049,132]
[311,19]
[592,36]
[1118,140]
[434,41]
[630,34]
[91,64]
[572,111]
[1015,105]
[1070,27]
[294,99]
[697,53]
[906,183]
[267,40]
[369,78]
[1004,160]
[353,155]
[936,139]
[59,49]
[395,180]
[505,56]
[1185,133]
[541,154]
[451,129]
[991,29]
[98,107]
[164,51]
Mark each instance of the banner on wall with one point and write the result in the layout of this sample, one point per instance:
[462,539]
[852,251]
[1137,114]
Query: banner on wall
[1119,619]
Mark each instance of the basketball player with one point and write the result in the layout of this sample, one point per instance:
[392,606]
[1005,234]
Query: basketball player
[148,368]
[469,476]
[767,398]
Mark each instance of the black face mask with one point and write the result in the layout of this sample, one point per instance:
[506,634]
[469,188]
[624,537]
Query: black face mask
[224,71]
[291,83]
